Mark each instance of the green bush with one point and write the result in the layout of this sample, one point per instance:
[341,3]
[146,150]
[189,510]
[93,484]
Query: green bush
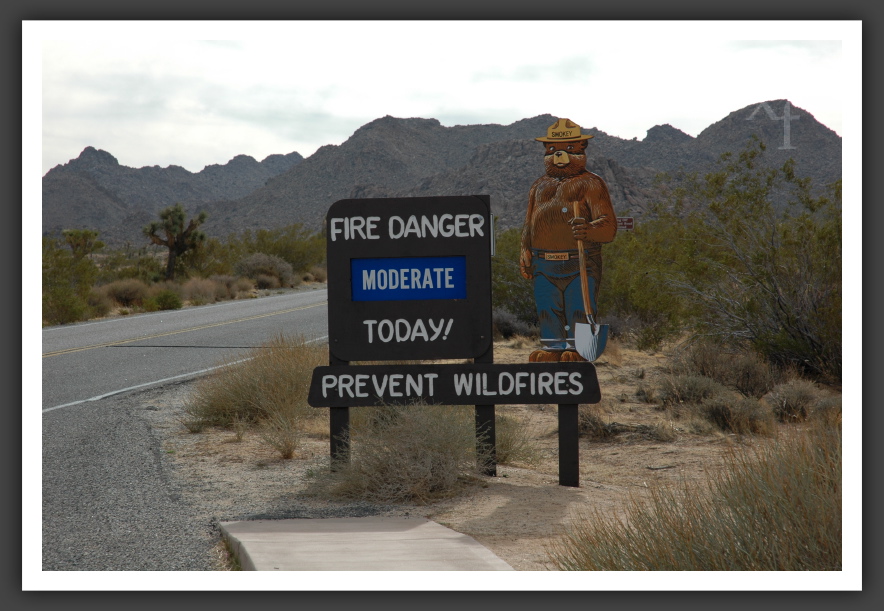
[168,300]
[510,292]
[67,281]
[773,272]
[269,271]
[293,244]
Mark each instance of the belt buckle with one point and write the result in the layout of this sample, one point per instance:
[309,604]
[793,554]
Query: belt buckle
[556,256]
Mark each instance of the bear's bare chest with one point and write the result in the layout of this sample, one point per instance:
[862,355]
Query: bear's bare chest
[558,198]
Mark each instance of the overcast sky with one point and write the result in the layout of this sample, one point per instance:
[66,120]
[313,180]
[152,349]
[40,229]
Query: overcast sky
[196,94]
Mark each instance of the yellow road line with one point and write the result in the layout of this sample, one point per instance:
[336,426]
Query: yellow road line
[144,337]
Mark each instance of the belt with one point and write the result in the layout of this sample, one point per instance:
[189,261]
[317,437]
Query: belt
[556,255]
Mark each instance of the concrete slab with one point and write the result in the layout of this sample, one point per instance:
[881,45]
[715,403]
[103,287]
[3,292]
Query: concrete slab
[356,544]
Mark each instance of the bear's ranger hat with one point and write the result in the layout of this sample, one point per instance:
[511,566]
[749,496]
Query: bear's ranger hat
[563,130]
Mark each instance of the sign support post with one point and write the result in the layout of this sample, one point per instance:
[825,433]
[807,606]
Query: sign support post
[486,437]
[569,446]
[339,428]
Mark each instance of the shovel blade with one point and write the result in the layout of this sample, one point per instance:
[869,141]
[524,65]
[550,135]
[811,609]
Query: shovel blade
[590,340]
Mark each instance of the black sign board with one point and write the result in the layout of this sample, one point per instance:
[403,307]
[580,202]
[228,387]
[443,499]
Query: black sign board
[409,278]
[455,384]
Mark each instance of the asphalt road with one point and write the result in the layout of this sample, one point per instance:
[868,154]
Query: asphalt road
[108,501]
[93,360]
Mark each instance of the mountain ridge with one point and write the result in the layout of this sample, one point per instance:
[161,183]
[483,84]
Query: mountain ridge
[407,157]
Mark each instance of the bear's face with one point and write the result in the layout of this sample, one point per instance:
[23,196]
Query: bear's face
[564,159]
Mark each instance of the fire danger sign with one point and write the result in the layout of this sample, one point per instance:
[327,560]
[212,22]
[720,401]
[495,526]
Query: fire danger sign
[409,278]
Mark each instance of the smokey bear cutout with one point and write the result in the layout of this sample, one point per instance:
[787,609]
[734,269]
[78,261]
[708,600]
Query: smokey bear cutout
[569,217]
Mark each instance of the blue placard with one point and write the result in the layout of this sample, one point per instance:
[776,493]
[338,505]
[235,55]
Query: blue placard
[408,278]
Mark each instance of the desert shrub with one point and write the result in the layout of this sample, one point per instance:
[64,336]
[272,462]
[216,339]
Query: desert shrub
[128,292]
[223,286]
[99,303]
[793,400]
[167,299]
[231,287]
[320,273]
[740,368]
[242,285]
[645,394]
[688,389]
[591,424]
[702,358]
[777,508]
[515,440]
[509,290]
[774,281]
[307,277]
[740,415]
[200,291]
[751,375]
[506,325]
[273,378]
[282,430]
[294,244]
[264,282]
[262,267]
[67,281]
[406,454]
[827,411]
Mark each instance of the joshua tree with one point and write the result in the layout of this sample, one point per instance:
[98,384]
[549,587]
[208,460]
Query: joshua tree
[178,238]
[82,241]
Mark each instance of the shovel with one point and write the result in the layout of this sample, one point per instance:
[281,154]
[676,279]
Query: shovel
[589,338]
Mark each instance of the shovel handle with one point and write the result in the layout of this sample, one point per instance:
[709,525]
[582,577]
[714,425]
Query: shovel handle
[584,279]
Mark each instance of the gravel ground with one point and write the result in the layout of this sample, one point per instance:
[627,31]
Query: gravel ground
[116,497]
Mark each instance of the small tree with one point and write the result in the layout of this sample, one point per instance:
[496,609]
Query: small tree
[82,241]
[178,238]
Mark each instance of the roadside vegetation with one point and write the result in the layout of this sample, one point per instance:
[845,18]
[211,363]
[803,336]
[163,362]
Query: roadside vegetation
[777,508]
[177,265]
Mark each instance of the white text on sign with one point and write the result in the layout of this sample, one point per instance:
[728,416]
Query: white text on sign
[369,228]
[402,330]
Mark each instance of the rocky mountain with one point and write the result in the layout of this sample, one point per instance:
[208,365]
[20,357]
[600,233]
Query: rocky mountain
[95,191]
[393,157]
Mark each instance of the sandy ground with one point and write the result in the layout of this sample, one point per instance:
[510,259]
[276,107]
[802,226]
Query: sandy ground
[516,514]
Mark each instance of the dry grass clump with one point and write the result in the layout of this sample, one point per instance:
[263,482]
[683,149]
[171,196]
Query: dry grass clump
[793,400]
[743,370]
[590,423]
[127,293]
[269,388]
[231,287]
[200,291]
[773,509]
[515,440]
[405,454]
[688,388]
[740,415]
[319,272]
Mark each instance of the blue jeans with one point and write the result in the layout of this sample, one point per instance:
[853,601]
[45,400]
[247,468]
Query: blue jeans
[559,300]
